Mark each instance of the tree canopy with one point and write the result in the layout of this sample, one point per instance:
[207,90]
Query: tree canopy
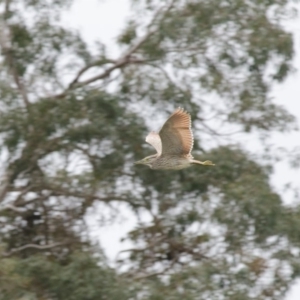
[73,120]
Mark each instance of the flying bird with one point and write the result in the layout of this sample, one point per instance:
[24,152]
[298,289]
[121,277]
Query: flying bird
[173,144]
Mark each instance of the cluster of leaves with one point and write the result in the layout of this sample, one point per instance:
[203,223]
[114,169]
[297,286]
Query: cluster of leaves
[78,277]
[69,144]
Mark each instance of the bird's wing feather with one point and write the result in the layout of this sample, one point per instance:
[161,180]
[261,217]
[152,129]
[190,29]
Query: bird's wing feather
[154,140]
[176,134]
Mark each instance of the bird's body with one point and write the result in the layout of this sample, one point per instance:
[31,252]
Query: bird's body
[171,163]
[173,144]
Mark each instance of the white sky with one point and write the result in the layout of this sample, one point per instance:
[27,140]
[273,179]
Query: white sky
[103,20]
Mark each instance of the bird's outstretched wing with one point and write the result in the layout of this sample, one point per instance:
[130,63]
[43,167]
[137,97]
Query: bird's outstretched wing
[176,134]
[154,140]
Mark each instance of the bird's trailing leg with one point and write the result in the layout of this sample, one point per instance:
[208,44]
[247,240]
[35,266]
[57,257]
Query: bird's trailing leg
[205,163]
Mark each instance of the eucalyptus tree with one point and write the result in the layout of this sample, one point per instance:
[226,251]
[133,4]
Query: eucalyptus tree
[72,124]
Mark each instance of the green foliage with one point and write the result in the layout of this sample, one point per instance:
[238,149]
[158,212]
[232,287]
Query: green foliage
[128,35]
[80,277]
[70,131]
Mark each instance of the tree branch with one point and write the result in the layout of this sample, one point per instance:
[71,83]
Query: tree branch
[155,274]
[59,191]
[12,207]
[56,191]
[87,67]
[121,62]
[125,59]
[5,185]
[34,246]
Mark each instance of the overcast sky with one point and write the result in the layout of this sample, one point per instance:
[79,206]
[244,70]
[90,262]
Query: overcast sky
[102,20]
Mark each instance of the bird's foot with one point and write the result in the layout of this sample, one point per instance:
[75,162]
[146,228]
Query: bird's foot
[208,163]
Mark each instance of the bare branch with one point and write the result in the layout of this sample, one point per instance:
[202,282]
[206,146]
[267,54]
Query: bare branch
[34,246]
[163,272]
[60,191]
[118,64]
[12,207]
[23,191]
[5,185]
[7,6]
[57,191]
[125,59]
[215,133]
[87,67]
[167,76]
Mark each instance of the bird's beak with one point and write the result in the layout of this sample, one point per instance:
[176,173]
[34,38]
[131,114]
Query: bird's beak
[139,162]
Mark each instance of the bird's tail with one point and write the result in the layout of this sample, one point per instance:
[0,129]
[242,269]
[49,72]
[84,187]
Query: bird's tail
[205,163]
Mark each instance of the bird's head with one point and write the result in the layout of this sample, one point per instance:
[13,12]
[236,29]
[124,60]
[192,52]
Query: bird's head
[147,160]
